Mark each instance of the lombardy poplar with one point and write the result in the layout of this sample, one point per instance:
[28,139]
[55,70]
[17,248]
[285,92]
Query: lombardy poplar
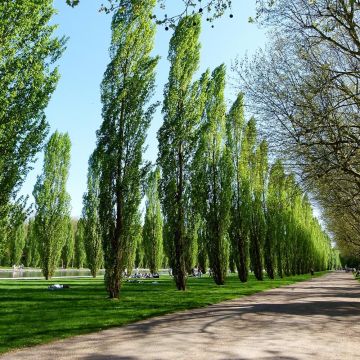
[153,225]
[182,112]
[126,89]
[274,241]
[258,222]
[28,77]
[91,219]
[79,251]
[240,207]
[214,172]
[52,202]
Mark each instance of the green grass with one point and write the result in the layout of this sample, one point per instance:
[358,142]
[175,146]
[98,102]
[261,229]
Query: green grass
[30,314]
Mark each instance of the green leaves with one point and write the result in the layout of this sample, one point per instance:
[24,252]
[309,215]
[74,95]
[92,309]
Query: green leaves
[52,202]
[27,79]
[182,111]
[126,89]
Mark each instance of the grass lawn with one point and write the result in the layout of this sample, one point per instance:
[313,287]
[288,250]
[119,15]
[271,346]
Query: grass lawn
[30,314]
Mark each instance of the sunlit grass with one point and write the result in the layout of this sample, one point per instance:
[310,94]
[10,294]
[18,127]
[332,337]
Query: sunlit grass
[30,314]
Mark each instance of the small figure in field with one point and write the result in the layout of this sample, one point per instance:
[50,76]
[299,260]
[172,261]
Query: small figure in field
[312,271]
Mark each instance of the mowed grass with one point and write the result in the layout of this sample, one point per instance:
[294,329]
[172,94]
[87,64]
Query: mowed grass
[30,314]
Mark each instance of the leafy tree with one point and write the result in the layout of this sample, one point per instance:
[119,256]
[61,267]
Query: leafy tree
[152,231]
[238,145]
[258,223]
[182,109]
[31,251]
[79,251]
[303,87]
[69,245]
[214,174]
[52,202]
[27,79]
[91,224]
[126,89]
[274,241]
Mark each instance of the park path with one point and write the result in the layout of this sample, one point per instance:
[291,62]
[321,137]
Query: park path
[316,319]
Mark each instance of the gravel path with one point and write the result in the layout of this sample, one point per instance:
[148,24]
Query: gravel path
[316,319]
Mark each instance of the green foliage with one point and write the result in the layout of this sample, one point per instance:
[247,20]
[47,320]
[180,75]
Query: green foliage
[67,255]
[90,222]
[152,231]
[27,80]
[79,251]
[126,89]
[31,251]
[182,109]
[237,144]
[214,176]
[52,202]
[258,222]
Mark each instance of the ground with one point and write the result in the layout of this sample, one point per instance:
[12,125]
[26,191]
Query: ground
[316,319]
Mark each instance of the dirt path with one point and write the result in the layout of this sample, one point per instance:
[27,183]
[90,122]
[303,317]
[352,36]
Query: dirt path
[317,319]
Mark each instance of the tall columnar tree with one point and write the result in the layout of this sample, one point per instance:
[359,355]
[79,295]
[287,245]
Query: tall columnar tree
[274,240]
[79,251]
[67,254]
[92,232]
[182,109]
[31,251]
[258,222]
[214,175]
[52,202]
[27,79]
[238,145]
[153,224]
[126,89]
[245,175]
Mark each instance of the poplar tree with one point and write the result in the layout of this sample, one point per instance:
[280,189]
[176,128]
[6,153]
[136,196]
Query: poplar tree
[32,246]
[244,174]
[214,172]
[274,241]
[79,251]
[182,111]
[240,208]
[152,231]
[92,231]
[258,222]
[126,89]
[52,202]
[28,78]
[67,254]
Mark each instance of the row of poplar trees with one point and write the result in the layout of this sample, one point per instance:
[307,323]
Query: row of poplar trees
[212,201]
[218,198]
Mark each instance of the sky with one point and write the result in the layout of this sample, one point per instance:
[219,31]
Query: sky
[75,106]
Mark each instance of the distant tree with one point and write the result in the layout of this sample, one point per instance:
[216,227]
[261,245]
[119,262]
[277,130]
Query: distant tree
[91,224]
[80,254]
[52,202]
[182,111]
[28,78]
[140,251]
[152,231]
[67,255]
[214,176]
[258,222]
[32,255]
[239,144]
[274,241]
[126,89]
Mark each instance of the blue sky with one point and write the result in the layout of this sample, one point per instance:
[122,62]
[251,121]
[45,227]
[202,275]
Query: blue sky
[75,106]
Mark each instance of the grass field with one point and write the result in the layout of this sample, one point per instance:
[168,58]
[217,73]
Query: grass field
[30,314]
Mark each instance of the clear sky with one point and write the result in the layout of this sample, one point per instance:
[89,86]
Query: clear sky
[75,106]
